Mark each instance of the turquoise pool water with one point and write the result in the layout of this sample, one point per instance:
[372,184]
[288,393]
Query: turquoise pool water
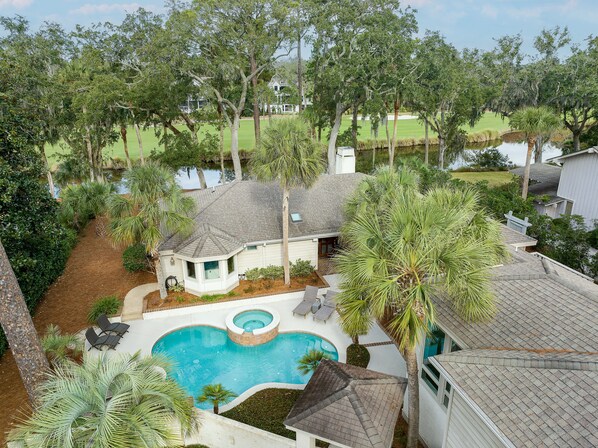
[252,320]
[205,355]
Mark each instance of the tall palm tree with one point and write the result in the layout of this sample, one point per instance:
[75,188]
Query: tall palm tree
[410,248]
[116,401]
[288,154]
[80,203]
[311,360]
[534,122]
[20,332]
[155,204]
[216,394]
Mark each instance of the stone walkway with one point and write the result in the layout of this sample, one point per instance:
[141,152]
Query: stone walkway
[133,305]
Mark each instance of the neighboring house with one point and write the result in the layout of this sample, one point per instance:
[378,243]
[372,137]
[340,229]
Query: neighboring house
[282,95]
[526,378]
[238,227]
[571,188]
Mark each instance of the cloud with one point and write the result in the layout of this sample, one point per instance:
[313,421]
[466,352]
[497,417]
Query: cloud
[108,8]
[489,11]
[15,3]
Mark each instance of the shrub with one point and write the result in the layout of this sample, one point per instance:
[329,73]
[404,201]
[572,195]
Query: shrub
[272,272]
[177,288]
[302,268]
[593,237]
[135,258]
[59,347]
[179,299]
[253,274]
[106,305]
[358,355]
[490,159]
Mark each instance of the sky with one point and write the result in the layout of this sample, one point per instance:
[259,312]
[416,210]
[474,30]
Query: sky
[465,23]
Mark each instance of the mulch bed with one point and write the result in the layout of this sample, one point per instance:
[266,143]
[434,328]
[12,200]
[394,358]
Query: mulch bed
[245,290]
[94,270]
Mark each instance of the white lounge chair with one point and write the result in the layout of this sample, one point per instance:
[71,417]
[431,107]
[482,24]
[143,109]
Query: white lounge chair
[328,307]
[310,296]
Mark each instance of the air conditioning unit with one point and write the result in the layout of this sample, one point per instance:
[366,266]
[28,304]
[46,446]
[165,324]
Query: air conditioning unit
[345,160]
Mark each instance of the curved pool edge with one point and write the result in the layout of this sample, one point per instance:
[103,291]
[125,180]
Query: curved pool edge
[258,336]
[255,389]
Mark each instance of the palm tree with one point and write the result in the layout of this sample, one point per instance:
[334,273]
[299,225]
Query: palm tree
[120,401]
[155,204]
[534,122]
[311,360]
[399,255]
[59,347]
[288,154]
[83,202]
[215,394]
[20,332]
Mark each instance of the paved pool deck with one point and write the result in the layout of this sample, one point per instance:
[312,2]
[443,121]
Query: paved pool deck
[144,333]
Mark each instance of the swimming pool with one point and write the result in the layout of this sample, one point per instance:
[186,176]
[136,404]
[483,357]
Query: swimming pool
[253,319]
[205,355]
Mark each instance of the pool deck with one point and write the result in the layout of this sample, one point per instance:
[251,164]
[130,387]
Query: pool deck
[143,334]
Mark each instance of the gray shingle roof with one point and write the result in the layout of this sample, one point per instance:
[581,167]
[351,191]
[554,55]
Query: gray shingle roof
[534,399]
[545,178]
[249,211]
[516,239]
[349,405]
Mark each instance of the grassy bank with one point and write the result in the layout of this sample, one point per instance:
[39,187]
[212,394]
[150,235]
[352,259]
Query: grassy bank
[410,132]
[494,178]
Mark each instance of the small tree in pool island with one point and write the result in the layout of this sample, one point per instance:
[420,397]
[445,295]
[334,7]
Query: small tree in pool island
[310,361]
[216,394]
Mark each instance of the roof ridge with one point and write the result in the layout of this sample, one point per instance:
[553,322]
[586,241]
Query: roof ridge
[364,418]
[572,286]
[324,402]
[519,277]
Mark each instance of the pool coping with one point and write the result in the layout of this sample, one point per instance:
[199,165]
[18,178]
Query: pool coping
[231,326]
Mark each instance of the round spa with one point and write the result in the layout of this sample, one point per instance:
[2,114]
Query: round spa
[252,325]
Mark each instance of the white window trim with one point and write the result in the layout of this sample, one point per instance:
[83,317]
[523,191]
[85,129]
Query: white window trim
[441,382]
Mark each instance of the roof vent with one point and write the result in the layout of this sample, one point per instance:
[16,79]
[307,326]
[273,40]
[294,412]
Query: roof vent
[296,217]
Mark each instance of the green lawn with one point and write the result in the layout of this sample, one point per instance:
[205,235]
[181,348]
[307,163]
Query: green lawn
[494,178]
[406,129]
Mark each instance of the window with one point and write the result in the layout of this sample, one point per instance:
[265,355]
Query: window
[230,264]
[190,269]
[446,394]
[296,217]
[434,343]
[211,270]
[437,342]
[251,248]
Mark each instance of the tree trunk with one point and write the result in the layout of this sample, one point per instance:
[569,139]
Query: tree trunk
[234,146]
[160,278]
[413,399]
[354,127]
[576,142]
[285,236]
[20,332]
[426,141]
[123,135]
[441,149]
[256,106]
[216,409]
[140,143]
[355,339]
[539,146]
[269,113]
[221,148]
[393,143]
[528,159]
[202,178]
[92,172]
[338,118]
[390,156]
[42,150]
[299,72]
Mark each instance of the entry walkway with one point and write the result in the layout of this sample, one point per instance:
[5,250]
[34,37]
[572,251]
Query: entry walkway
[133,304]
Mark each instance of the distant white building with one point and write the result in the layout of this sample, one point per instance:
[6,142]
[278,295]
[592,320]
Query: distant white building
[282,105]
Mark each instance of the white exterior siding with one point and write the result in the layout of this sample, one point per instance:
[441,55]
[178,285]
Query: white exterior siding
[579,183]
[271,254]
[466,429]
[169,269]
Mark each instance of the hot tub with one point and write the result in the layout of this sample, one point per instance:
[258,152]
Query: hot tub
[252,325]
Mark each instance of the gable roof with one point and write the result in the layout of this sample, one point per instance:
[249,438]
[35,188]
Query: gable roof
[246,212]
[349,405]
[534,399]
[559,159]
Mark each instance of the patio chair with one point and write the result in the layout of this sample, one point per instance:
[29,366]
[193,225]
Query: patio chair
[107,327]
[327,308]
[310,296]
[98,342]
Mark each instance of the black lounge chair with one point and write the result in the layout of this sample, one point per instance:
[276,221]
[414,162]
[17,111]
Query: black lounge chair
[95,341]
[310,296]
[107,327]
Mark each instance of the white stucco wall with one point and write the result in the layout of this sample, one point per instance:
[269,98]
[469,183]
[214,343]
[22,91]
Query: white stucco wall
[176,269]
[579,183]
[220,432]
[271,254]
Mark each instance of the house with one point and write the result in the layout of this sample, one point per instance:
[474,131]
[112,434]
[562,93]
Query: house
[526,378]
[571,188]
[282,94]
[238,227]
